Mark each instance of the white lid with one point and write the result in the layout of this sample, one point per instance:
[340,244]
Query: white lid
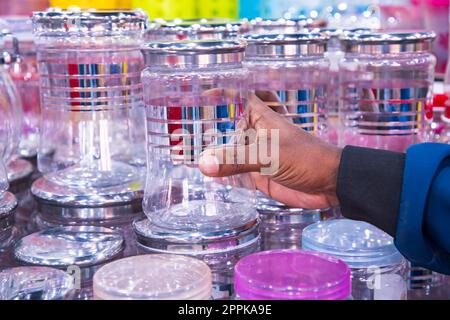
[154,277]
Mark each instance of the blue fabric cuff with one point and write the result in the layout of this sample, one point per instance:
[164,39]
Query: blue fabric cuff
[423,226]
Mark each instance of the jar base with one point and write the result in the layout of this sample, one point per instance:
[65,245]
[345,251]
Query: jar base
[157,239]
[76,203]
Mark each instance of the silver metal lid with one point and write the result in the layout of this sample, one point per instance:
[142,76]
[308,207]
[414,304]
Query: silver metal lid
[383,43]
[286,45]
[337,32]
[35,283]
[71,245]
[258,25]
[157,239]
[200,29]
[193,53]
[90,22]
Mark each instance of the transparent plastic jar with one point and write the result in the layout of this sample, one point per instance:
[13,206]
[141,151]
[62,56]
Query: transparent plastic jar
[78,250]
[378,270]
[185,86]
[281,226]
[275,63]
[35,283]
[220,250]
[24,73]
[18,169]
[334,54]
[385,83]
[291,275]
[201,29]
[153,277]
[92,151]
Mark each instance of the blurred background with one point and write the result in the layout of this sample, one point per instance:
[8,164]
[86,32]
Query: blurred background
[374,14]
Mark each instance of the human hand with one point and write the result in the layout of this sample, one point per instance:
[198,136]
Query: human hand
[306,168]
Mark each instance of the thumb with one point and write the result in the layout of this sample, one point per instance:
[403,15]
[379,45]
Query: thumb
[228,160]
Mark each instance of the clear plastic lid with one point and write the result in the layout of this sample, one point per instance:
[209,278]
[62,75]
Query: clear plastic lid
[154,277]
[73,245]
[293,275]
[358,243]
[35,283]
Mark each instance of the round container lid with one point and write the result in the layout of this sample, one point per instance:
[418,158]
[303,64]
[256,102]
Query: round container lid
[294,24]
[196,26]
[291,274]
[390,42]
[35,283]
[286,45]
[90,22]
[154,277]
[358,243]
[193,53]
[72,245]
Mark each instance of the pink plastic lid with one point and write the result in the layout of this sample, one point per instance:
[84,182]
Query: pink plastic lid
[291,275]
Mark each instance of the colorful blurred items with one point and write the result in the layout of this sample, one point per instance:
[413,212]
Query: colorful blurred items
[97,4]
[22,7]
[168,9]
[218,8]
[251,9]
[436,18]
[400,15]
[435,113]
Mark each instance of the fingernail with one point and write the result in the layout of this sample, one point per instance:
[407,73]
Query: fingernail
[209,164]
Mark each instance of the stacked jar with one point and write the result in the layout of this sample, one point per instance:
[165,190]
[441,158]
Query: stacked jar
[92,151]
[293,71]
[385,83]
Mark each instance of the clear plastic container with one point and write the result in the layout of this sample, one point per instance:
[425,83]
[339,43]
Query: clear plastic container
[92,150]
[378,270]
[201,29]
[17,169]
[291,275]
[220,250]
[281,226]
[153,277]
[275,63]
[24,73]
[80,250]
[35,283]
[385,83]
[185,85]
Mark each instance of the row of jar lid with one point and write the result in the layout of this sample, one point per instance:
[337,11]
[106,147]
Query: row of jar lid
[343,246]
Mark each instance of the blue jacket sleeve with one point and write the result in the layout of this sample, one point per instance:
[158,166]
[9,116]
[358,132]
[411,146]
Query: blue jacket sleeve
[423,224]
